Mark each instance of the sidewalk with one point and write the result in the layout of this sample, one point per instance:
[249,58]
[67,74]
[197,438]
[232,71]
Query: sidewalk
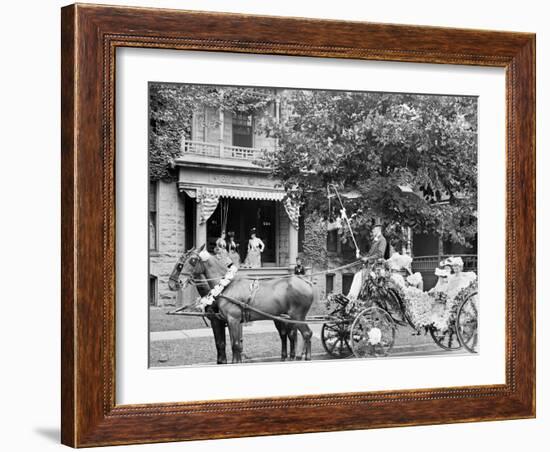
[405,342]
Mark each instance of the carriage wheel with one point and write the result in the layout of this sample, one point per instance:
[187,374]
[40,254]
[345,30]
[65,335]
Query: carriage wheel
[334,337]
[372,333]
[446,339]
[467,323]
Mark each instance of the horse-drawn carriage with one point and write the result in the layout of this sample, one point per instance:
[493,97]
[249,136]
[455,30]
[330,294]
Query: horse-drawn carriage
[363,327]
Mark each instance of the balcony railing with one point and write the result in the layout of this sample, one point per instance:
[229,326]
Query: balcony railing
[220,151]
[429,263]
[426,265]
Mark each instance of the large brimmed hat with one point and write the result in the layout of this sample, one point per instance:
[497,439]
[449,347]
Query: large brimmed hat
[453,261]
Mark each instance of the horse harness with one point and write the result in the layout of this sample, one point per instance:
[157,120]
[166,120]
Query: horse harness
[245,309]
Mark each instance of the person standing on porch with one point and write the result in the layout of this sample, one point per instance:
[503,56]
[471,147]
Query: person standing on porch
[221,250]
[233,248]
[255,249]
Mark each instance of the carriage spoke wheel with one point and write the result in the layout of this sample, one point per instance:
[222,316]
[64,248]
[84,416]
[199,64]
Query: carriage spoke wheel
[466,323]
[447,339]
[372,333]
[334,337]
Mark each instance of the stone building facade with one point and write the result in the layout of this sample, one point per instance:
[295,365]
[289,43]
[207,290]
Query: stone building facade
[218,163]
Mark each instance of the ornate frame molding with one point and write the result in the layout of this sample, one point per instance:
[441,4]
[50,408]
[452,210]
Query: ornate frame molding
[90,37]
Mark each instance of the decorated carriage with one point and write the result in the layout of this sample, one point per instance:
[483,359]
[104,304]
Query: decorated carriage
[366,326]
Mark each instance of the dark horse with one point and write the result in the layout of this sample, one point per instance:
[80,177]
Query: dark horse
[289,297]
[217,324]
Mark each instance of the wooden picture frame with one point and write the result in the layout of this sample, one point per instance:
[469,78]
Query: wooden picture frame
[90,36]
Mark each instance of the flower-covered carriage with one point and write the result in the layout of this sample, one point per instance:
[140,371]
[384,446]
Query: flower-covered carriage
[366,325]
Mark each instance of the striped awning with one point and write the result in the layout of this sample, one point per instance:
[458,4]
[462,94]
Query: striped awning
[209,197]
[269,195]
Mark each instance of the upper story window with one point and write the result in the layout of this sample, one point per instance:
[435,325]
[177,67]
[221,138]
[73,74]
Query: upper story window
[243,132]
[153,216]
[332,240]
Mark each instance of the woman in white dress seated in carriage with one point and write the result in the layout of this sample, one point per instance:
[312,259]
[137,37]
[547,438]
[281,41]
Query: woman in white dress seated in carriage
[451,277]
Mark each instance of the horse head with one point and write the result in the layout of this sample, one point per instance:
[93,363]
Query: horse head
[190,265]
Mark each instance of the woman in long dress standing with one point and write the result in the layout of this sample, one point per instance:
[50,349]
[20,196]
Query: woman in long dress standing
[221,249]
[255,249]
[233,248]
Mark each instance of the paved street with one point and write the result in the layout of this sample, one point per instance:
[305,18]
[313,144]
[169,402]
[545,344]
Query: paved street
[195,346]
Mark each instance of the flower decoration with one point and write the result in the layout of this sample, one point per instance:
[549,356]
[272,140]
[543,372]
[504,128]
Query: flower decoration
[375,335]
[215,292]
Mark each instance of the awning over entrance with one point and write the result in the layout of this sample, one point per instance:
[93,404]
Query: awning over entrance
[236,193]
[208,199]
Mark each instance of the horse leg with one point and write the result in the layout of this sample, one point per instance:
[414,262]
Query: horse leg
[306,332]
[282,329]
[218,328]
[235,333]
[292,337]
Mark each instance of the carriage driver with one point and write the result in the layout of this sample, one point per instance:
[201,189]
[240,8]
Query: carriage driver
[377,251]
[378,247]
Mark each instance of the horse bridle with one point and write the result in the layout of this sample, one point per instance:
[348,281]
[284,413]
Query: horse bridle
[190,279]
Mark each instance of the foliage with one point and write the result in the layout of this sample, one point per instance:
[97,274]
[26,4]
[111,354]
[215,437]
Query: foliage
[314,245]
[171,108]
[381,145]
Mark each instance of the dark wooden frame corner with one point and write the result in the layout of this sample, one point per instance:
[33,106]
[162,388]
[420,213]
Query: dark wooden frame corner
[90,35]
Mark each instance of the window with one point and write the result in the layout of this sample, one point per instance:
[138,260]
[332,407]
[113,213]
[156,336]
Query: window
[301,233]
[329,283]
[347,279]
[189,218]
[153,286]
[153,216]
[332,240]
[242,130]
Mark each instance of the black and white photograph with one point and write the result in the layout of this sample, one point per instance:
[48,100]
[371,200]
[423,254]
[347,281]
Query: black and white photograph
[292,224]
[268,226]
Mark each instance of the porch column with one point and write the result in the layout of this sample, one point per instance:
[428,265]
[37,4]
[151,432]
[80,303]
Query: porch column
[200,229]
[292,244]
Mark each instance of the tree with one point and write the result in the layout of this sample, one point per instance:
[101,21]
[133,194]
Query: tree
[381,145]
[171,108]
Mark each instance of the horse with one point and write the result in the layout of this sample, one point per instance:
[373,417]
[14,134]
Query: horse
[217,324]
[290,297]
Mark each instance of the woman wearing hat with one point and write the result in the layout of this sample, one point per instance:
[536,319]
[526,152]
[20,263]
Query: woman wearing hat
[255,249]
[221,249]
[233,248]
[451,277]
